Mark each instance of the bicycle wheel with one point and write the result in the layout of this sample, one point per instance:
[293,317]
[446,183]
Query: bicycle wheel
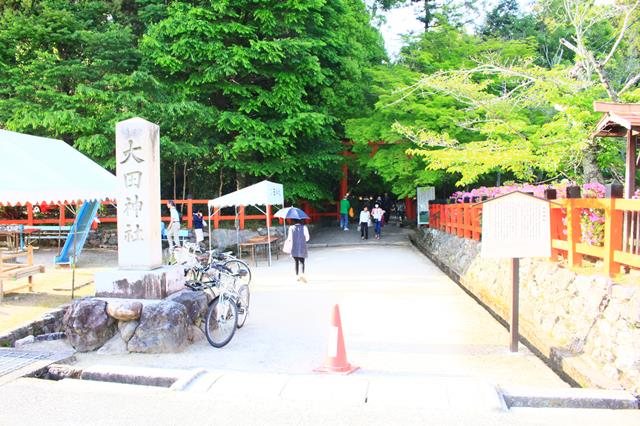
[221,322]
[243,304]
[240,269]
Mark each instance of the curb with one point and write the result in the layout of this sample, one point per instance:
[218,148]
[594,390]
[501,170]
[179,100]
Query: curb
[568,398]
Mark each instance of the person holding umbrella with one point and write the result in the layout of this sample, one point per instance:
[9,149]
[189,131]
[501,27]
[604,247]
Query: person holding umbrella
[297,237]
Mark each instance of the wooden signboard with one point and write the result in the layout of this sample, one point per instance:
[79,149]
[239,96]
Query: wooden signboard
[516,225]
[424,195]
[513,226]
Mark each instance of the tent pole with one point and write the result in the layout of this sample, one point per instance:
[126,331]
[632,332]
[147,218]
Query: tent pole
[269,234]
[237,234]
[209,221]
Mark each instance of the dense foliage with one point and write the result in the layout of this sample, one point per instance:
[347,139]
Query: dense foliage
[512,101]
[242,90]
[250,89]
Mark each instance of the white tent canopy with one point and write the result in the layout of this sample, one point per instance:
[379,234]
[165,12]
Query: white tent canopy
[40,170]
[263,193]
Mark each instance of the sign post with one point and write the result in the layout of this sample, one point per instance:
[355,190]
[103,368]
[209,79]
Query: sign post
[424,195]
[140,273]
[513,226]
[515,304]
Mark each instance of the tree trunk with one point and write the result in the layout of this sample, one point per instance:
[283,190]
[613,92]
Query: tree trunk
[174,181]
[590,170]
[184,183]
[240,180]
[427,15]
[221,183]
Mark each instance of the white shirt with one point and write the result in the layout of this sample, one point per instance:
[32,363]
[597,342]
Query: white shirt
[365,216]
[175,217]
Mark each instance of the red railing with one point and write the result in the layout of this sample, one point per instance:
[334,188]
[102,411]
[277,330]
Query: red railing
[620,246]
[461,219]
[63,217]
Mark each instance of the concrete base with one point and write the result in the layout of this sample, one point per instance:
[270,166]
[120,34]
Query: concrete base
[137,284]
[516,396]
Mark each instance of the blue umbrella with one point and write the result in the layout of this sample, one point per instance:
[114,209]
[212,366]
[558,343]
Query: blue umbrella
[291,213]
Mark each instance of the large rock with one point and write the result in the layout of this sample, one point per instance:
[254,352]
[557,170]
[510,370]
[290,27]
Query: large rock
[194,301]
[115,346]
[164,327]
[127,328]
[87,324]
[125,310]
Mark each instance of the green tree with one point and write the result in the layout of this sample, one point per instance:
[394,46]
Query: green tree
[533,123]
[434,13]
[402,104]
[277,78]
[71,70]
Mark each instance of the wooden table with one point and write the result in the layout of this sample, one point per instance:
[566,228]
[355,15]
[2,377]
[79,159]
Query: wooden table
[17,238]
[14,270]
[258,241]
[11,237]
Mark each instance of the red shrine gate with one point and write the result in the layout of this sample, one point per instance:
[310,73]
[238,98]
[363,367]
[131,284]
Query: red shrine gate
[344,181]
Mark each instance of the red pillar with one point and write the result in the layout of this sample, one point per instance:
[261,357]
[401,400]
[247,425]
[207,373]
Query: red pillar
[63,219]
[411,213]
[268,215]
[189,214]
[216,218]
[344,182]
[241,216]
[29,214]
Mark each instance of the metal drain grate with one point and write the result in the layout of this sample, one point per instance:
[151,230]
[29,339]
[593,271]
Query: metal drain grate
[12,360]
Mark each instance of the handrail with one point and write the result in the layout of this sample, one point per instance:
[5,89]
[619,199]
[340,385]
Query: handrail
[620,246]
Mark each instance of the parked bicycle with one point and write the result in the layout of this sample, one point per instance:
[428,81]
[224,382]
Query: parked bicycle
[191,256]
[229,306]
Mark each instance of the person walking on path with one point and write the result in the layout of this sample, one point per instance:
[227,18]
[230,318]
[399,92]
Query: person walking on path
[378,217]
[365,217]
[387,202]
[400,209]
[198,226]
[345,205]
[173,230]
[298,236]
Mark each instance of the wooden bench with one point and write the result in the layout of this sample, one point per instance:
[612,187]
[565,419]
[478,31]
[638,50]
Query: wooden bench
[46,232]
[16,271]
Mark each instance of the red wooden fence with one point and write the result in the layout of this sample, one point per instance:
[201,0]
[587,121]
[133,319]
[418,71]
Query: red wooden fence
[620,246]
[188,207]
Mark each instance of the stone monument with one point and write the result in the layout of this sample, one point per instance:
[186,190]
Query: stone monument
[140,273]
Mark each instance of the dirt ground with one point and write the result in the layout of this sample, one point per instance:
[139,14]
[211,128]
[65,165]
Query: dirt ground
[52,288]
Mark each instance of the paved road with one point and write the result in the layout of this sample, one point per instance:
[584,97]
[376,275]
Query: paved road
[401,316]
[73,402]
[424,348]
[336,237]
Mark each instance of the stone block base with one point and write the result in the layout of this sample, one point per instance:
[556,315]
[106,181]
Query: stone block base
[139,284]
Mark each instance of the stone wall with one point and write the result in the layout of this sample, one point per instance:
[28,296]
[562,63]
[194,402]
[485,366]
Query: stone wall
[587,327]
[42,329]
[222,238]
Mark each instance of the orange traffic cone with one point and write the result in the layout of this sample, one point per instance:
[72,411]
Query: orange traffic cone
[336,361]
